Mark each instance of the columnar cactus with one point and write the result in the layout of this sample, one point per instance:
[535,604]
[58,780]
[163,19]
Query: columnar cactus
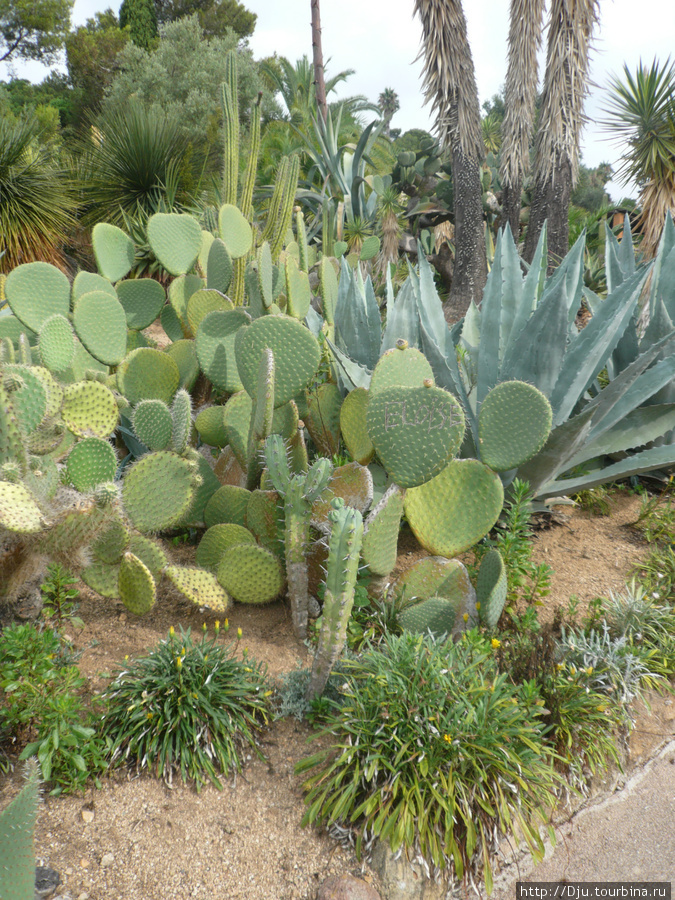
[341,571]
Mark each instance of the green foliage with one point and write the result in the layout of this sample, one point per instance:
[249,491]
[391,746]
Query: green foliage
[38,199]
[33,30]
[423,748]
[188,706]
[59,596]
[513,538]
[44,708]
[140,18]
[215,16]
[91,53]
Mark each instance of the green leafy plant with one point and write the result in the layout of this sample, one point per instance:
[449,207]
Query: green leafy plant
[433,751]
[44,708]
[189,706]
[59,596]
[526,580]
[595,501]
[656,520]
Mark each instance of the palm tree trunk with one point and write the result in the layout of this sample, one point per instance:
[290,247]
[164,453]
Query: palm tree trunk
[450,85]
[317,56]
[519,96]
[557,143]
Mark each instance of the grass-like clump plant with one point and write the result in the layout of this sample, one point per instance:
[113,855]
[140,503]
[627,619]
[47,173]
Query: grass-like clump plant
[436,752]
[189,706]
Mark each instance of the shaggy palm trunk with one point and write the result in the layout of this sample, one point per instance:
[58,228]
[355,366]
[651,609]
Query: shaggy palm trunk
[557,144]
[470,270]
[519,96]
[317,57]
[450,85]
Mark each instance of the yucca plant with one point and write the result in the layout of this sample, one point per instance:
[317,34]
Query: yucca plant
[37,200]
[137,160]
[641,115]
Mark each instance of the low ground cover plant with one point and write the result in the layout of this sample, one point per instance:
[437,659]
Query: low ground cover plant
[43,708]
[189,706]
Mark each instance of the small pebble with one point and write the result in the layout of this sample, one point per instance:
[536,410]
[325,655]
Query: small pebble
[83,897]
[107,860]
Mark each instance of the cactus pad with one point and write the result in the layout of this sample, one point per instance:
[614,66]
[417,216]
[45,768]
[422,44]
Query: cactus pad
[353,484]
[111,542]
[455,509]
[211,427]
[513,424]
[153,424]
[323,419]
[218,267]
[215,344]
[215,542]
[380,535]
[17,849]
[142,300]
[203,302]
[113,249]
[353,426]
[158,491]
[149,552]
[491,587]
[104,578]
[91,462]
[28,397]
[200,587]
[56,343]
[235,231]
[250,574]
[437,615]
[136,585]
[227,505]
[175,239]
[402,366]
[184,354]
[429,577]
[298,291]
[36,291]
[148,374]
[415,431]
[18,510]
[101,325]
[296,355]
[90,409]
[180,291]
[89,281]
[264,518]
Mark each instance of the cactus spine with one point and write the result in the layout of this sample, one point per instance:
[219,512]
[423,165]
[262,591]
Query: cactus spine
[342,569]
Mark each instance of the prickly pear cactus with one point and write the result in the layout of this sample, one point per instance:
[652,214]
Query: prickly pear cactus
[17,851]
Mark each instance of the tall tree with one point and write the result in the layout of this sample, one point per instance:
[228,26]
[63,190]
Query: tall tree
[641,114]
[140,18]
[317,60]
[526,20]
[450,86]
[33,29]
[91,57]
[389,104]
[215,16]
[556,160]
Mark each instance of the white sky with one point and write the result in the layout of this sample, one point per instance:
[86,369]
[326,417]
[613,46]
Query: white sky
[380,39]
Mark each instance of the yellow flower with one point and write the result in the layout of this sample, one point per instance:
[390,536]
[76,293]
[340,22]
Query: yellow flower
[448,738]
[126,658]
[466,617]
[239,633]
[559,667]
[478,604]
[204,627]
[149,716]
[172,631]
[217,627]
[179,662]
[589,670]
[226,626]
[495,644]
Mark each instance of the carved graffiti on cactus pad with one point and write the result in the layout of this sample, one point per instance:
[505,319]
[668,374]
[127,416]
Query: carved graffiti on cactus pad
[434,416]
